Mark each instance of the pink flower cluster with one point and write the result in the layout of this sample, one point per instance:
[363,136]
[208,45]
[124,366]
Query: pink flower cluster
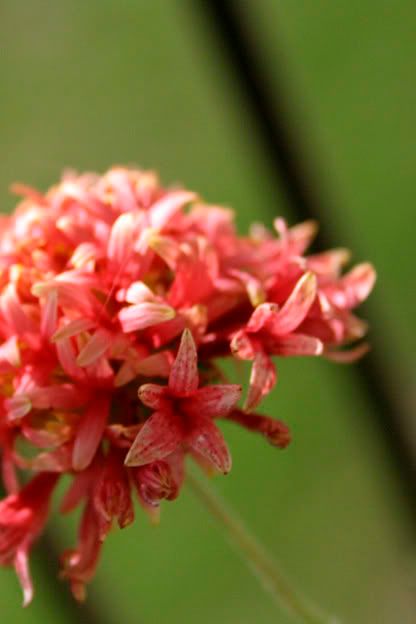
[118,296]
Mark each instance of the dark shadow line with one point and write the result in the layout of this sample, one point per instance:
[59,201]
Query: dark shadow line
[289,169]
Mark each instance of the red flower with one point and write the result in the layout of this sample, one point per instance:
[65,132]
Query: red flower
[273,331]
[184,414]
[22,518]
[108,286]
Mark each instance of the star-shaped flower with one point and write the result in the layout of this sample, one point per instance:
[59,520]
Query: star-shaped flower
[184,414]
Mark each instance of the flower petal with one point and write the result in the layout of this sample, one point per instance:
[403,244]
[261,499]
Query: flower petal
[49,314]
[89,433]
[152,395]
[276,431]
[299,344]
[166,247]
[296,306]
[208,440]
[262,380]
[213,401]
[264,313]
[242,346]
[13,312]
[21,566]
[146,314]
[120,243]
[73,328]
[329,263]
[65,396]
[67,358]
[138,292]
[96,346]
[17,407]
[164,209]
[349,356]
[354,287]
[10,352]
[183,378]
[159,436]
[252,285]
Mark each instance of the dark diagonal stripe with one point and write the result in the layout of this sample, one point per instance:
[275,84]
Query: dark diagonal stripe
[288,166]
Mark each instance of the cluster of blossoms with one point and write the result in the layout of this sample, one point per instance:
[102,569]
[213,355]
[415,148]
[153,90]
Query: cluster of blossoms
[117,298]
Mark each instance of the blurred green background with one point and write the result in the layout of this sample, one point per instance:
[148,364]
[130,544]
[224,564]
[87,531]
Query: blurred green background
[88,84]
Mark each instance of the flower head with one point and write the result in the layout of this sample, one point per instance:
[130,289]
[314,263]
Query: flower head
[117,297]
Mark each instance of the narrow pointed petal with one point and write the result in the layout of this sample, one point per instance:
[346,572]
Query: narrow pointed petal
[49,315]
[262,380]
[166,248]
[67,358]
[96,346]
[17,407]
[354,287]
[349,356]
[159,436]
[253,286]
[138,292]
[74,290]
[299,344]
[213,401]
[275,431]
[13,312]
[121,239]
[208,440]
[183,378]
[89,434]
[84,256]
[21,565]
[329,263]
[164,209]
[302,235]
[156,365]
[9,471]
[10,352]
[263,314]
[142,315]
[152,395]
[296,307]
[73,328]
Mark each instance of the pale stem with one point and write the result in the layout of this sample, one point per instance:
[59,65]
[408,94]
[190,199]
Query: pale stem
[263,565]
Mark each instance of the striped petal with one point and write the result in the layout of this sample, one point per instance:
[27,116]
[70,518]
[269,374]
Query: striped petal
[183,378]
[142,315]
[159,436]
[296,307]
[207,440]
[299,344]
[89,434]
[262,380]
[213,401]
[95,347]
[73,328]
[354,287]
[152,395]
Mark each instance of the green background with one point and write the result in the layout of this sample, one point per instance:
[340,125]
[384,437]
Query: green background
[88,84]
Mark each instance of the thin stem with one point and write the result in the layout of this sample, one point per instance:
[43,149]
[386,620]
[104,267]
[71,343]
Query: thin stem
[255,555]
